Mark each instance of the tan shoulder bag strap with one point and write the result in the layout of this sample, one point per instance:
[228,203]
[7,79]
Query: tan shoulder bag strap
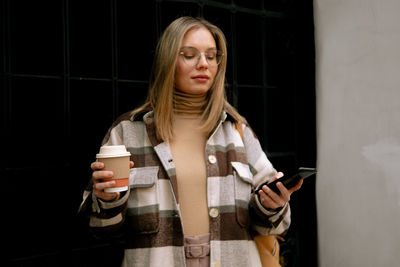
[238,126]
[267,246]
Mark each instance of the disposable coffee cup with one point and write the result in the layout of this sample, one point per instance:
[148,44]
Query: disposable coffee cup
[116,159]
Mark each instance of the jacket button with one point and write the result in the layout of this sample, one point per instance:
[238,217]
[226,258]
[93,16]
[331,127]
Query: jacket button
[214,212]
[212,159]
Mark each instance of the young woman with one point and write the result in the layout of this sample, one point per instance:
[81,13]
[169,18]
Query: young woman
[195,164]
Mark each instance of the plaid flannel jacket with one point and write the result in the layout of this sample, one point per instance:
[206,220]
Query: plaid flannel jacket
[147,216]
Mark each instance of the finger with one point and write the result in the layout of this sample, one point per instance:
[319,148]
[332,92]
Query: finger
[267,201]
[284,192]
[272,197]
[103,185]
[97,176]
[106,196]
[276,176]
[278,199]
[97,165]
[296,187]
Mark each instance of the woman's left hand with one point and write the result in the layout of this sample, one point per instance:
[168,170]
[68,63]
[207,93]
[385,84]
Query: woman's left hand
[272,200]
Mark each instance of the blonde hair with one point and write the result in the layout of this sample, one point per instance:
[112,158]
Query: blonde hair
[162,81]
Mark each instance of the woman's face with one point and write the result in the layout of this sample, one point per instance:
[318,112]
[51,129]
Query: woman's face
[191,77]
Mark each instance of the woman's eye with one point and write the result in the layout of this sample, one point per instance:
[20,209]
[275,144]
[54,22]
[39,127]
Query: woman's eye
[188,56]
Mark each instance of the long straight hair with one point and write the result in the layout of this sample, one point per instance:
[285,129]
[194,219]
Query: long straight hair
[162,80]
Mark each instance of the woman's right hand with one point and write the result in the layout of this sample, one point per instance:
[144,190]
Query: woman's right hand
[99,184]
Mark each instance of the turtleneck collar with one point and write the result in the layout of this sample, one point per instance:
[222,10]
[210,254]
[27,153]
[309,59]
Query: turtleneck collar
[189,104]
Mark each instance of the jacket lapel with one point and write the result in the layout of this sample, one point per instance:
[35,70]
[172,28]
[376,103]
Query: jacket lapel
[163,152]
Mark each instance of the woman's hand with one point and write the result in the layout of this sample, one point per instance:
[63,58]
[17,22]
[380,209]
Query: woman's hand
[272,200]
[99,184]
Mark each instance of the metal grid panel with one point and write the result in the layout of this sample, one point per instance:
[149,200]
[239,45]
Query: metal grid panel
[70,67]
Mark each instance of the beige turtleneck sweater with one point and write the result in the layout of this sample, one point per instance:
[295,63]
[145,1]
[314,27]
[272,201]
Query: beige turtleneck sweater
[188,151]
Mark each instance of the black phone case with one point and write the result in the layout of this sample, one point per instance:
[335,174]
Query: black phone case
[289,181]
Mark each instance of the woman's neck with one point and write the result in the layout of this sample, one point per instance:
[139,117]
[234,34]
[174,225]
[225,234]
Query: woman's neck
[189,104]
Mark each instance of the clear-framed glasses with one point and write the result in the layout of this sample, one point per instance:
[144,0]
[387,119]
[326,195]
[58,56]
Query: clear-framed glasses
[191,56]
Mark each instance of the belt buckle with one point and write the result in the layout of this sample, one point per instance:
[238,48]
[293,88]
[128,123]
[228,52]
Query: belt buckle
[196,251]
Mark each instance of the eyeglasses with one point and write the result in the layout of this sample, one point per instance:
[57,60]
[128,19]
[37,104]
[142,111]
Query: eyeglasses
[191,56]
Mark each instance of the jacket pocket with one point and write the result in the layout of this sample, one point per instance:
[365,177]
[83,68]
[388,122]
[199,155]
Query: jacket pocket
[143,214]
[243,180]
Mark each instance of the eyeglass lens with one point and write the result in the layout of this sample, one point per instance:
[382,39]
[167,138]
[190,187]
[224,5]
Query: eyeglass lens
[192,56]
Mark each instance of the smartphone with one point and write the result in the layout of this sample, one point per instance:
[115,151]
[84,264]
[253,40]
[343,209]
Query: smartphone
[291,180]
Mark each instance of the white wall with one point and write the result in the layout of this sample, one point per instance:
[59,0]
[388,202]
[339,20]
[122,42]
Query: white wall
[358,129]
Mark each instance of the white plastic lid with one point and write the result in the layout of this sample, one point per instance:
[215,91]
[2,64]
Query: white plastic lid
[112,152]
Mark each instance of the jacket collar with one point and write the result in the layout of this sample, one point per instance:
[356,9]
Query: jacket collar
[148,116]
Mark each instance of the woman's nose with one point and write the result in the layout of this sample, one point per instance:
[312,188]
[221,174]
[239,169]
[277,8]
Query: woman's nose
[203,63]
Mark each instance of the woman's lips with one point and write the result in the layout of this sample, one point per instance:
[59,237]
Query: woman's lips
[201,78]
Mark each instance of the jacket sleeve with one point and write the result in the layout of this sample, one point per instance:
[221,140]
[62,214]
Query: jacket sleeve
[263,221]
[105,218]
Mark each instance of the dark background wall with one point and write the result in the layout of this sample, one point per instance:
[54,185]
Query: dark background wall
[68,68]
